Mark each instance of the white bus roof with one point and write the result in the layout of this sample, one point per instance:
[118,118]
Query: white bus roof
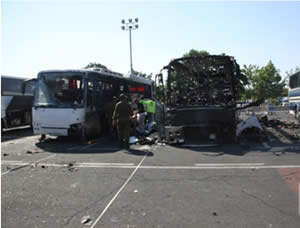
[96,70]
[137,78]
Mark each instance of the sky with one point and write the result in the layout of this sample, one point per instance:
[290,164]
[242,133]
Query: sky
[50,34]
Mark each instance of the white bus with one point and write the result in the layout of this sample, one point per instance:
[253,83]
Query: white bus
[294,94]
[16,101]
[73,102]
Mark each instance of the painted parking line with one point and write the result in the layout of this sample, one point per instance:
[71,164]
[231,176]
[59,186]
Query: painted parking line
[133,166]
[27,164]
[231,164]
[120,190]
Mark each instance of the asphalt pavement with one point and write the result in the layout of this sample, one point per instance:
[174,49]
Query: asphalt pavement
[63,183]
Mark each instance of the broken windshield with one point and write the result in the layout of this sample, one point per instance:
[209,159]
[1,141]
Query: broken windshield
[61,90]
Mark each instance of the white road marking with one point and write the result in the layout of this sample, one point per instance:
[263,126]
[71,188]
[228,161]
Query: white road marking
[30,163]
[231,164]
[221,167]
[112,164]
[116,195]
[132,166]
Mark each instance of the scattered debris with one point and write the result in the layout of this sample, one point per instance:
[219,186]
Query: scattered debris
[71,167]
[146,141]
[133,140]
[32,152]
[278,153]
[276,123]
[85,219]
[251,123]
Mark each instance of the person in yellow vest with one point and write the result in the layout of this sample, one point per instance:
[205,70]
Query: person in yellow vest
[149,106]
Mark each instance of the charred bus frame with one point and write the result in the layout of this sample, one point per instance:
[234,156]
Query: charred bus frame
[200,100]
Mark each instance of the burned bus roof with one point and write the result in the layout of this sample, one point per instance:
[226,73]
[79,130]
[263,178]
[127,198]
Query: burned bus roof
[202,80]
[202,63]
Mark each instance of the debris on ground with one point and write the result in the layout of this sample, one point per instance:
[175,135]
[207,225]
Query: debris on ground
[215,214]
[71,167]
[146,141]
[5,154]
[85,219]
[250,130]
[133,140]
[285,130]
[276,123]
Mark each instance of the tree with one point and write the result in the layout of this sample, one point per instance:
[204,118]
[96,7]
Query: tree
[247,74]
[267,82]
[96,65]
[141,74]
[194,52]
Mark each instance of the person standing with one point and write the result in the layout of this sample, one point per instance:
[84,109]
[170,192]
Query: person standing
[109,113]
[121,119]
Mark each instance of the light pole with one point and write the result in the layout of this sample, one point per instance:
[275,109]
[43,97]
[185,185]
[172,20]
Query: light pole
[130,24]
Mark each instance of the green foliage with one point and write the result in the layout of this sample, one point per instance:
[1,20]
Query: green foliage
[194,52]
[96,65]
[141,74]
[285,92]
[265,82]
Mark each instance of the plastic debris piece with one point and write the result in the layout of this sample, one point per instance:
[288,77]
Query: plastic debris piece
[135,191]
[133,140]
[215,214]
[85,219]
[5,154]
[29,152]
[251,122]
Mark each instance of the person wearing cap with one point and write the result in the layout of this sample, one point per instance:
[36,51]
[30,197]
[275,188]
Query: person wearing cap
[121,119]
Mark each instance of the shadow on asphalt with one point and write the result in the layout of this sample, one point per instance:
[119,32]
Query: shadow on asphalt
[18,133]
[69,145]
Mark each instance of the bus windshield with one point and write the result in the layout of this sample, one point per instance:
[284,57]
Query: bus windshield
[61,90]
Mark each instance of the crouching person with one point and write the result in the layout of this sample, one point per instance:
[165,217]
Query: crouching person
[121,119]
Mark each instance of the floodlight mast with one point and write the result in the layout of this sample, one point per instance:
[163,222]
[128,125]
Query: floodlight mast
[129,25]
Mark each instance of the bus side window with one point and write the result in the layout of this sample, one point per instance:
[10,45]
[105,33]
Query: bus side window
[98,92]
[90,93]
[29,88]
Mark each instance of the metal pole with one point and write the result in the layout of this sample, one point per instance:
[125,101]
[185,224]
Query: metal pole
[131,69]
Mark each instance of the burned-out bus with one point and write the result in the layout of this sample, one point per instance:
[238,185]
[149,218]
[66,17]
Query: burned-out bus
[200,100]
[16,101]
[73,102]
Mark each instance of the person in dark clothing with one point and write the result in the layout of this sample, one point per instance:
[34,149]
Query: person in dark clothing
[108,115]
[121,119]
